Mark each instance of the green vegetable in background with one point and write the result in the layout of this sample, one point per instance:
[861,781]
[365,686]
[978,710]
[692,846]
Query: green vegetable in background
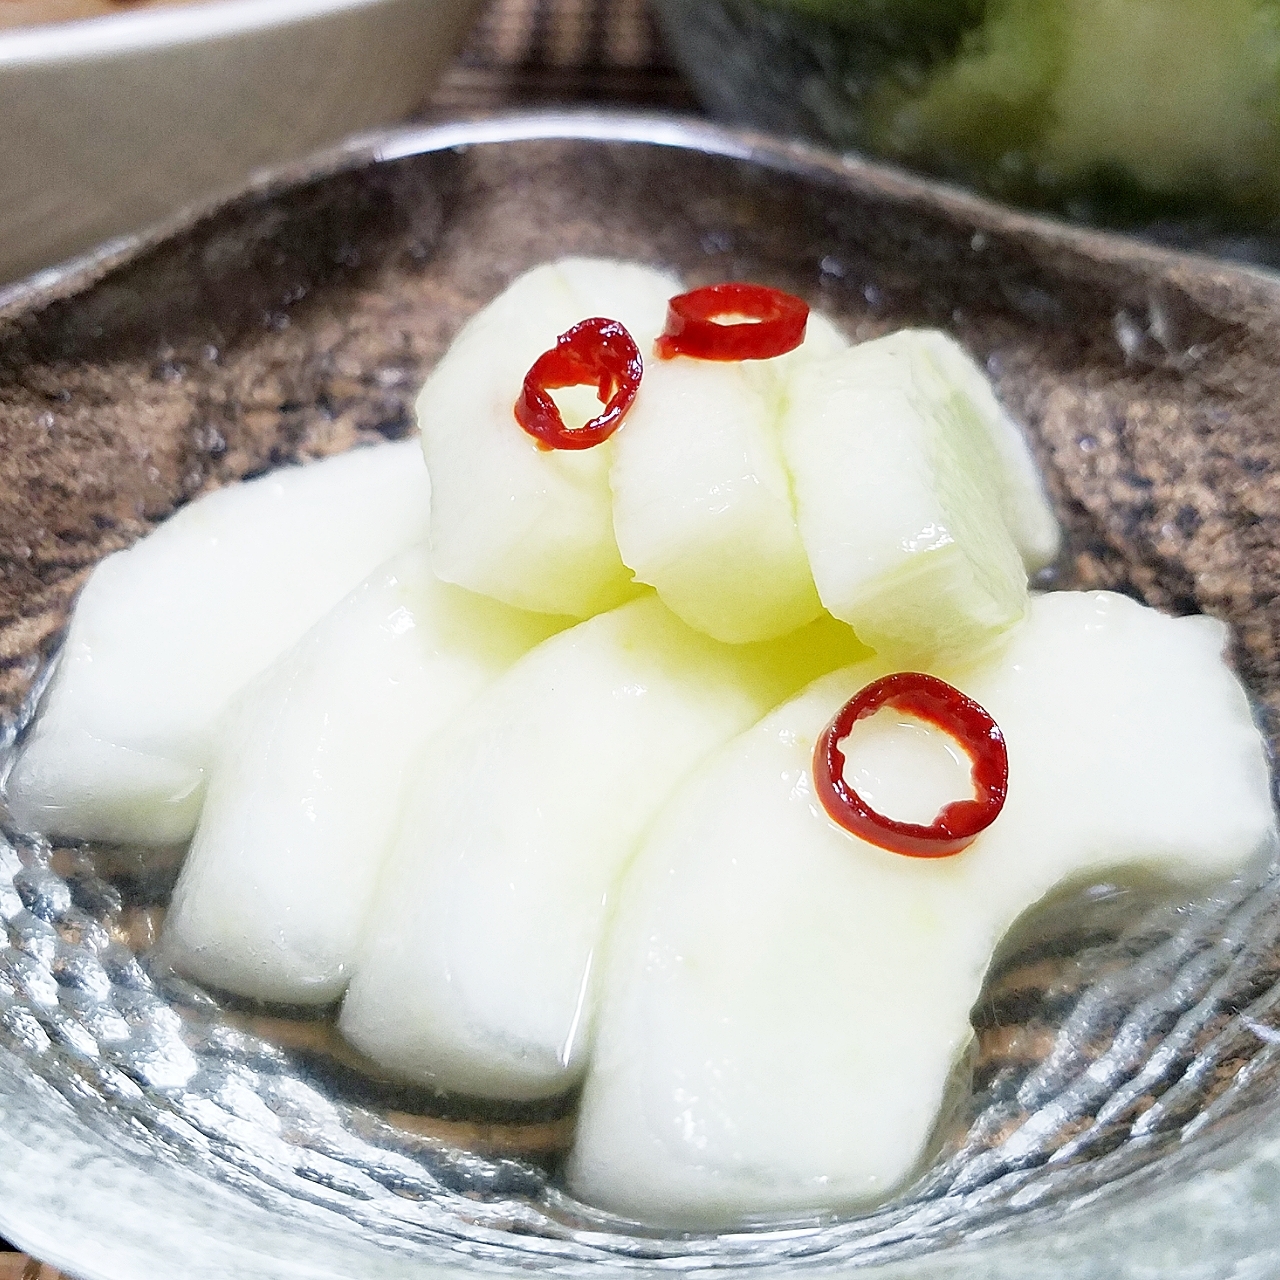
[989,106]
[1155,100]
[918,27]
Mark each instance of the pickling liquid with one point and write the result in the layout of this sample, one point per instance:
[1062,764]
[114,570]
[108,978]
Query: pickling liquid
[1045,967]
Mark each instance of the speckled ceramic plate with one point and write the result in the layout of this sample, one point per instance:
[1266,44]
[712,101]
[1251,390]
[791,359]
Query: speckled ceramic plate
[1120,1119]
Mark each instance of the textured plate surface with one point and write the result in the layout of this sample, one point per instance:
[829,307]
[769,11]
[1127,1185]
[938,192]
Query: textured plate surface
[1127,1050]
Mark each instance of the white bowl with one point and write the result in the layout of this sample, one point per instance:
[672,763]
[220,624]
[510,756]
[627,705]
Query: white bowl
[109,124]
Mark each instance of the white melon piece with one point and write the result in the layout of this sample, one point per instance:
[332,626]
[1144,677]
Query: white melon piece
[163,635]
[509,519]
[307,774]
[822,339]
[1027,509]
[783,1003]
[902,497]
[702,503]
[477,971]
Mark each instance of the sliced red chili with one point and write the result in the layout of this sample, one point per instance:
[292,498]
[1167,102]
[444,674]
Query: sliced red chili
[936,702]
[701,323]
[596,353]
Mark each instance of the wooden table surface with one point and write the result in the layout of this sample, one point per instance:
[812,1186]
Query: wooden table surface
[529,53]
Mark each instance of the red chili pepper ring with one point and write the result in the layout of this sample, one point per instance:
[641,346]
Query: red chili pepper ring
[934,701]
[596,353]
[701,323]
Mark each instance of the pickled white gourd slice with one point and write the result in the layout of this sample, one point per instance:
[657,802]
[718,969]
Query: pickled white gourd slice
[307,774]
[702,502]
[509,519]
[1027,509]
[784,1002]
[163,635]
[903,497]
[476,974]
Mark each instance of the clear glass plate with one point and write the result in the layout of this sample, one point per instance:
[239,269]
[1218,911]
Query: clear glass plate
[1116,1116]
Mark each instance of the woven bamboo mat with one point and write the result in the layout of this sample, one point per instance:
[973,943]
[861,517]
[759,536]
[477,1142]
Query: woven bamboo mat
[543,52]
[529,53]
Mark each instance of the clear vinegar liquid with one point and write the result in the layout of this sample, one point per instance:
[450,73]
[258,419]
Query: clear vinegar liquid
[1058,952]
[138,885]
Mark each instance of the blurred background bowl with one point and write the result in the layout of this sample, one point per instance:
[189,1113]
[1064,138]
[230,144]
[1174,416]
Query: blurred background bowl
[1159,115]
[112,123]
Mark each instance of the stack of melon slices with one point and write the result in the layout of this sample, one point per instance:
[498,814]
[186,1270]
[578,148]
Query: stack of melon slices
[880,482]
[533,796]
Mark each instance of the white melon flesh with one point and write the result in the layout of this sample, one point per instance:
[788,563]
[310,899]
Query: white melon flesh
[477,971]
[1027,509]
[783,1003]
[163,635]
[702,502]
[528,525]
[307,775]
[911,498]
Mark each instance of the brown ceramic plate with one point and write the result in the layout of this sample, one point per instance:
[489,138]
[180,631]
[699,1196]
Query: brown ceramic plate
[1125,1058]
